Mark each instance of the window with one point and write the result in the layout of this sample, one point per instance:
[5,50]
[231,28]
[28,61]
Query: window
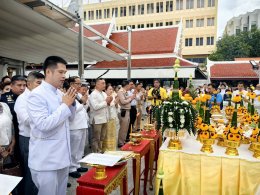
[91,15]
[150,8]
[189,4]
[210,22]
[133,26]
[177,22]
[189,23]
[149,25]
[169,6]
[115,11]
[188,42]
[122,11]
[106,13]
[99,14]
[245,28]
[122,27]
[159,7]
[253,25]
[159,24]
[169,23]
[199,41]
[85,15]
[210,40]
[200,3]
[140,26]
[141,9]
[238,30]
[211,3]
[200,22]
[179,4]
[132,10]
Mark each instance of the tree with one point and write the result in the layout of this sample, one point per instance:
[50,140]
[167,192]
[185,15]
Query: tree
[245,44]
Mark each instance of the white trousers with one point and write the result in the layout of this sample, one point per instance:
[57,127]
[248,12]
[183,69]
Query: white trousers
[51,182]
[77,145]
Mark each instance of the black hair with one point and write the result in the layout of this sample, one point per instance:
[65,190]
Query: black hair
[66,85]
[3,79]
[140,83]
[240,83]
[212,85]
[99,79]
[52,61]
[108,85]
[17,78]
[124,83]
[72,79]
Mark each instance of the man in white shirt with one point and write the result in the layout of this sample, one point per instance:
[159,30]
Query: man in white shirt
[34,79]
[49,113]
[99,102]
[78,130]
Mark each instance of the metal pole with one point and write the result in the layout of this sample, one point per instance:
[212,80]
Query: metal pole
[81,42]
[129,30]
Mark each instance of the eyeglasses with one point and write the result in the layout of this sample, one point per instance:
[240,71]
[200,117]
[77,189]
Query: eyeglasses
[79,84]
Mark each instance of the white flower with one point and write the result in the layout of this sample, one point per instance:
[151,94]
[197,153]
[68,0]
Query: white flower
[176,69]
[171,125]
[185,103]
[182,121]
[170,119]
[170,113]
[182,116]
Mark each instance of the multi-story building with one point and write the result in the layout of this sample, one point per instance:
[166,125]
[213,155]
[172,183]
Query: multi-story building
[244,22]
[198,17]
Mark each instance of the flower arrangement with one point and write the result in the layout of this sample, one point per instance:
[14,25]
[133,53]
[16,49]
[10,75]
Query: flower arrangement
[251,107]
[176,114]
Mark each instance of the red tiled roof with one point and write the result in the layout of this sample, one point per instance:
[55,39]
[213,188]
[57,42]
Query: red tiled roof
[102,28]
[143,63]
[232,71]
[151,41]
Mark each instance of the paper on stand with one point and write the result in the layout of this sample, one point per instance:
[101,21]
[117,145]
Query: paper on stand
[8,183]
[101,159]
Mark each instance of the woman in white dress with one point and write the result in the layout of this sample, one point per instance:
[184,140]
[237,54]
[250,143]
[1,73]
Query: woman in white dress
[7,140]
[110,141]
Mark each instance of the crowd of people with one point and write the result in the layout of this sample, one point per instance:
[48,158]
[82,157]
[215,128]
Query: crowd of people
[48,123]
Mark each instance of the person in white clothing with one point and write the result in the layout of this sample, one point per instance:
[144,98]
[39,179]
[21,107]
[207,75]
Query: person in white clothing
[99,102]
[34,79]
[257,102]
[49,113]
[78,130]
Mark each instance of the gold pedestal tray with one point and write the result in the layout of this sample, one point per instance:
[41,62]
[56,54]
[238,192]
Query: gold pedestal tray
[135,138]
[207,145]
[245,140]
[148,127]
[251,147]
[175,144]
[232,147]
[256,148]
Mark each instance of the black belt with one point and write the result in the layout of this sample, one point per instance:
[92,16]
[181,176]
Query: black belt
[133,106]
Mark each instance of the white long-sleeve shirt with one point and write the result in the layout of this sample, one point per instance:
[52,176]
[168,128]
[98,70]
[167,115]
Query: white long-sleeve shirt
[20,108]
[49,147]
[5,125]
[98,107]
[81,118]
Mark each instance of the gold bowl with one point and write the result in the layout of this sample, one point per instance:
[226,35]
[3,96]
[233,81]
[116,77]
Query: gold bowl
[207,145]
[232,147]
[256,148]
[136,138]
[174,144]
[148,127]
[100,172]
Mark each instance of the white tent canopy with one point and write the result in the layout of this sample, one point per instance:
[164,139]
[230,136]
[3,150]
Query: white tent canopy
[29,36]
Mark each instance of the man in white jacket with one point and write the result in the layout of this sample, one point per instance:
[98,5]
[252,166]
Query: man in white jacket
[99,102]
[78,130]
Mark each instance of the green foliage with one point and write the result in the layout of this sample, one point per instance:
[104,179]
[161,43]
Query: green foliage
[245,44]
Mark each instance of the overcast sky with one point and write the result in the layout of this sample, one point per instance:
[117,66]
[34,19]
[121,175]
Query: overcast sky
[226,10]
